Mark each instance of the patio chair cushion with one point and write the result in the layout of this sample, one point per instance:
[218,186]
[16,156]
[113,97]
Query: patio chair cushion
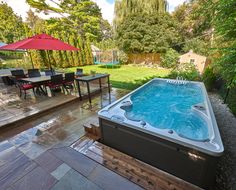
[54,85]
[27,86]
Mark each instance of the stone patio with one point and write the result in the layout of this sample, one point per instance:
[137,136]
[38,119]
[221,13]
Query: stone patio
[36,154]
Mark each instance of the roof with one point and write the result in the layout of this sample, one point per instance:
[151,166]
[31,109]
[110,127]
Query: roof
[192,53]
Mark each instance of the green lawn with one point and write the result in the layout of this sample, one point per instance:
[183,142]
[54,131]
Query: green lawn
[127,77]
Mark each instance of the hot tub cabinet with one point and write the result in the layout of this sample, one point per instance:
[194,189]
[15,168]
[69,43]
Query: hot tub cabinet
[193,166]
[193,160]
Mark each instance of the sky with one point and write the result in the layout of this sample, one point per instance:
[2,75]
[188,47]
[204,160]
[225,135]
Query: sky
[107,7]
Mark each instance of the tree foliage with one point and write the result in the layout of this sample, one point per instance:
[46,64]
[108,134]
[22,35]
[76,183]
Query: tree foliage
[83,17]
[195,28]
[147,33]
[79,24]
[170,58]
[223,19]
[125,8]
[35,24]
[197,45]
[11,25]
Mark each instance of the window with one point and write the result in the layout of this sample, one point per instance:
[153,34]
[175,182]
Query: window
[192,61]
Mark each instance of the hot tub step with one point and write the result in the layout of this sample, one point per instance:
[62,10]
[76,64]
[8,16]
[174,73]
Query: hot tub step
[93,130]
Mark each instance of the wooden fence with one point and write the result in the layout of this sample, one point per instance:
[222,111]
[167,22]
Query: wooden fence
[146,58]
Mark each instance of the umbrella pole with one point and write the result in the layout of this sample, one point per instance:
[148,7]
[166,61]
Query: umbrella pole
[31,59]
[49,61]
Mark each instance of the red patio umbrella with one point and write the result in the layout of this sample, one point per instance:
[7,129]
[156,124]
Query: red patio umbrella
[40,42]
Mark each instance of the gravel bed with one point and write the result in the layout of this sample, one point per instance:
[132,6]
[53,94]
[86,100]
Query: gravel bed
[226,171]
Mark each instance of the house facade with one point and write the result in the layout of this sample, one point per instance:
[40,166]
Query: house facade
[199,61]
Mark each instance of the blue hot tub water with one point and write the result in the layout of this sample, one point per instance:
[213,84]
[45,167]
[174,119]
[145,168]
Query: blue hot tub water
[168,106]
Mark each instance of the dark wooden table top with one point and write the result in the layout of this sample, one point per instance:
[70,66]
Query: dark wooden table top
[91,77]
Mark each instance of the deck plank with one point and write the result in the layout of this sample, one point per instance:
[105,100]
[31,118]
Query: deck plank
[133,173]
[141,166]
[134,170]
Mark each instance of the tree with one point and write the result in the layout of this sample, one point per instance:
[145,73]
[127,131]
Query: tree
[106,44]
[81,52]
[36,24]
[198,46]
[11,27]
[125,8]
[147,33]
[195,28]
[223,18]
[88,53]
[82,17]
[106,29]
[170,59]
[81,22]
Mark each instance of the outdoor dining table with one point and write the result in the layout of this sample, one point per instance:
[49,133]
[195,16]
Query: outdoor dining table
[38,81]
[90,78]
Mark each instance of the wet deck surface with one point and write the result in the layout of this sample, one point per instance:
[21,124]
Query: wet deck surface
[36,154]
[14,108]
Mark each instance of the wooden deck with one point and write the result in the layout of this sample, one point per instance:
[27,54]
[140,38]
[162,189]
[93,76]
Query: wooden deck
[17,112]
[134,170]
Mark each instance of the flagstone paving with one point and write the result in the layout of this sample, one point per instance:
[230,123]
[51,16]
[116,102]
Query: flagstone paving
[75,181]
[36,154]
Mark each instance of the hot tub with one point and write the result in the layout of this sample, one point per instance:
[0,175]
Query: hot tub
[168,124]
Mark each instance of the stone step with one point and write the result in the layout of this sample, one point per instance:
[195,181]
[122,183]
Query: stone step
[92,129]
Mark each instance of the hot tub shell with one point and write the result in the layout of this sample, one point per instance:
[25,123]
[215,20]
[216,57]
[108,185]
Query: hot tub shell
[192,161]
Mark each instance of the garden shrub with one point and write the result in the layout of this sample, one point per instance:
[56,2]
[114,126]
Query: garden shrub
[123,57]
[188,75]
[185,70]
[170,59]
[110,66]
[231,100]
[209,78]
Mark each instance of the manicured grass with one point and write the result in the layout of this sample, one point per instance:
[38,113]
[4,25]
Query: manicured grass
[127,76]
